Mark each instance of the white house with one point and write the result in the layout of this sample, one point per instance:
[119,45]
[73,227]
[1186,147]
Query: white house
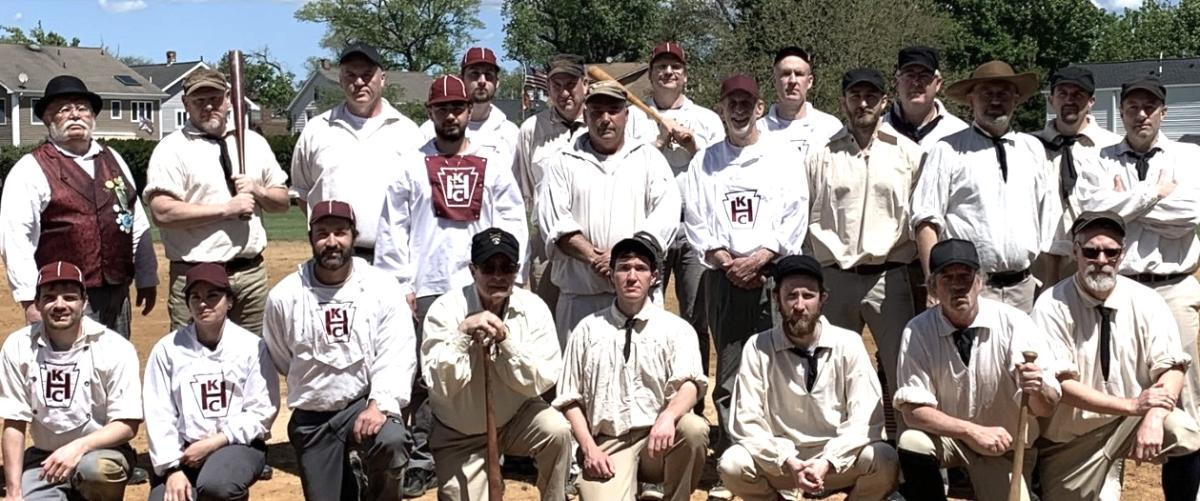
[1181,77]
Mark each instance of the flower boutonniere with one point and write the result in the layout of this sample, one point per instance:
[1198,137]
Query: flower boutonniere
[124,216]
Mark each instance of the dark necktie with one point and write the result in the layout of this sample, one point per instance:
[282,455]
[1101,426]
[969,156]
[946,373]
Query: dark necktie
[1143,161]
[628,336]
[1067,175]
[1001,156]
[963,339]
[810,369]
[914,132]
[226,164]
[1105,339]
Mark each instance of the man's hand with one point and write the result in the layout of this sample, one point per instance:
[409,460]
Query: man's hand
[989,440]
[484,327]
[195,454]
[1029,377]
[600,263]
[369,422]
[58,467]
[597,464]
[240,206]
[411,299]
[662,436]
[671,132]
[745,272]
[1166,185]
[32,315]
[249,186]
[1154,397]
[146,298]
[812,474]
[719,258]
[1148,443]
[178,488]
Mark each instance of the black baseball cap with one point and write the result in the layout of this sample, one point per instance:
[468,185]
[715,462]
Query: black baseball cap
[361,49]
[1075,75]
[797,265]
[1099,219]
[792,50]
[492,241]
[641,243]
[953,251]
[917,54]
[863,75]
[1149,83]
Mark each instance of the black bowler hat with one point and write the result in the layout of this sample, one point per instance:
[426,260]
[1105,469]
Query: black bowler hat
[863,75]
[797,265]
[66,85]
[1075,75]
[953,251]
[492,241]
[641,243]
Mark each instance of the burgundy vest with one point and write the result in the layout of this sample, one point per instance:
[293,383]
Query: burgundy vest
[80,225]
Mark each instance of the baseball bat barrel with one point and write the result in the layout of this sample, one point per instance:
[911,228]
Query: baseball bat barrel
[237,99]
[1015,482]
[598,74]
[492,459]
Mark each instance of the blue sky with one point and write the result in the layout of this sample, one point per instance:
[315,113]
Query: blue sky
[198,28]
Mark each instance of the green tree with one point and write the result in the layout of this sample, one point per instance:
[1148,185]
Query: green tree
[598,30]
[135,60]
[1157,29]
[38,35]
[264,79]
[411,35]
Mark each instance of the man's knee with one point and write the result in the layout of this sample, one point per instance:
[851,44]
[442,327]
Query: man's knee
[916,442]
[221,490]
[736,465]
[1184,430]
[692,430]
[879,457]
[555,426]
[386,449]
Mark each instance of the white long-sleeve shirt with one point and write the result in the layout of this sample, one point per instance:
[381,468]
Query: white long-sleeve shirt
[776,414]
[1086,153]
[496,130]
[429,254]
[607,198]
[805,134]
[1160,233]
[338,343]
[191,392]
[964,195]
[526,364]
[27,194]
[343,157]
[746,199]
[945,125]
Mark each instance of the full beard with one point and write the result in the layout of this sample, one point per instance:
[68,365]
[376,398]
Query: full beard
[450,134]
[59,133]
[333,259]
[1100,278]
[799,325]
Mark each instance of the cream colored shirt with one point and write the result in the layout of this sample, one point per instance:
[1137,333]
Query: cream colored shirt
[335,160]
[186,166]
[1160,233]
[1086,152]
[859,206]
[1145,344]
[66,395]
[931,372]
[963,194]
[946,125]
[776,415]
[619,395]
[805,134]
[607,198]
[526,364]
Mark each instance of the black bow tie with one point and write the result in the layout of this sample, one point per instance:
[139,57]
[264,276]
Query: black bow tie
[1067,175]
[1143,161]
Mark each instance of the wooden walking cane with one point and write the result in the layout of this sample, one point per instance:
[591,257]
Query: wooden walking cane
[1015,482]
[492,459]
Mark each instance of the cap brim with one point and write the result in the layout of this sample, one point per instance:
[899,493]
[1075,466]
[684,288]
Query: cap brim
[448,99]
[873,83]
[206,85]
[952,261]
[1027,86]
[606,94]
[495,250]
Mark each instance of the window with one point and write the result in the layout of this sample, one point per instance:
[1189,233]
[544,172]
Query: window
[181,117]
[33,118]
[116,109]
[141,109]
[3,111]
[127,80]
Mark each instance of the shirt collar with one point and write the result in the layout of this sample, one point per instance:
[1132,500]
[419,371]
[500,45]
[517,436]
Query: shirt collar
[93,150]
[1124,148]
[984,319]
[885,132]
[1008,136]
[190,129]
[387,112]
[474,305]
[641,316]
[773,114]
[91,329]
[193,338]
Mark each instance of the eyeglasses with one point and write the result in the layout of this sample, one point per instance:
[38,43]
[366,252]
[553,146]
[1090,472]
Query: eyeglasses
[80,109]
[1094,252]
[498,269]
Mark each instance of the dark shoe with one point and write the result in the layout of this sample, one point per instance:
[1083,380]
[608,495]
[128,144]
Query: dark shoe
[416,482]
[266,473]
[650,492]
[138,476]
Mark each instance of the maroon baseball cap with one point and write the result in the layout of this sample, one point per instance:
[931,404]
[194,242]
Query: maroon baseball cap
[740,82]
[448,89]
[479,55]
[331,208]
[60,271]
[668,48]
[210,273]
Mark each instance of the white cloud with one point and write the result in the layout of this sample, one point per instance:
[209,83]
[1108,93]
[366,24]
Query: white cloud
[121,6]
[1118,5]
[17,16]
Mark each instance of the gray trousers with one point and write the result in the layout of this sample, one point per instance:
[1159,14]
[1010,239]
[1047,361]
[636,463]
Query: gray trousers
[419,414]
[226,474]
[109,305]
[734,315]
[101,475]
[684,264]
[320,440]
[249,297]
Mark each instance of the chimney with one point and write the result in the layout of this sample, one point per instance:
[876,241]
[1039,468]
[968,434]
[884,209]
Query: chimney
[170,57]
[325,64]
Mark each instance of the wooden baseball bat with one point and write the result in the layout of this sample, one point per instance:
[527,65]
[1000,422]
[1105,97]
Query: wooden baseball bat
[237,99]
[598,74]
[492,457]
[1016,481]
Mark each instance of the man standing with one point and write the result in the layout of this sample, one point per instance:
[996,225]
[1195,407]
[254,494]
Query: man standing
[1121,372]
[740,215]
[336,331]
[73,199]
[515,330]
[986,185]
[208,207]
[958,390]
[631,377]
[861,185]
[352,151]
[604,187]
[808,412]
[1073,141]
[488,125]
[917,113]
[80,429]
[792,117]
[1150,181]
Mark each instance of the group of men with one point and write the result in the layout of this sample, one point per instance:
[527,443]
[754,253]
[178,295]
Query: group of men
[787,231]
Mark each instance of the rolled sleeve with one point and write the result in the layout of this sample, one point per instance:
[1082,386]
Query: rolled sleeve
[685,362]
[124,389]
[912,371]
[14,397]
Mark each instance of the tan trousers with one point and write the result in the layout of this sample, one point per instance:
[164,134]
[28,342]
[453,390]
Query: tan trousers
[536,431]
[249,297]
[989,474]
[874,475]
[1183,297]
[1077,470]
[1019,295]
[679,469]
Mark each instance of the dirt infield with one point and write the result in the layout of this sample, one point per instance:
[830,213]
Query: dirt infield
[1142,482]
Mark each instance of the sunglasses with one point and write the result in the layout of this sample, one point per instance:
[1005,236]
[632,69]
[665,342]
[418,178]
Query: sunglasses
[1095,252]
[498,269]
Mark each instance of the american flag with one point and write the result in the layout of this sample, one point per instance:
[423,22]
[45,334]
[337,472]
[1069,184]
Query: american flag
[536,79]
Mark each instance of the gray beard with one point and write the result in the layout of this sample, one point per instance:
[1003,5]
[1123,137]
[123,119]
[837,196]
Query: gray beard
[58,135]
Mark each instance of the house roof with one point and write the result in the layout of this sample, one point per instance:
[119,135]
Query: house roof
[1111,75]
[98,69]
[413,85]
[166,75]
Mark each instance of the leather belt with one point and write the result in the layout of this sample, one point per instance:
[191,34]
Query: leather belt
[235,265]
[1156,278]
[871,269]
[1007,278]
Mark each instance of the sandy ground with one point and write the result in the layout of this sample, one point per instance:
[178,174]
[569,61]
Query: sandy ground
[1142,482]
